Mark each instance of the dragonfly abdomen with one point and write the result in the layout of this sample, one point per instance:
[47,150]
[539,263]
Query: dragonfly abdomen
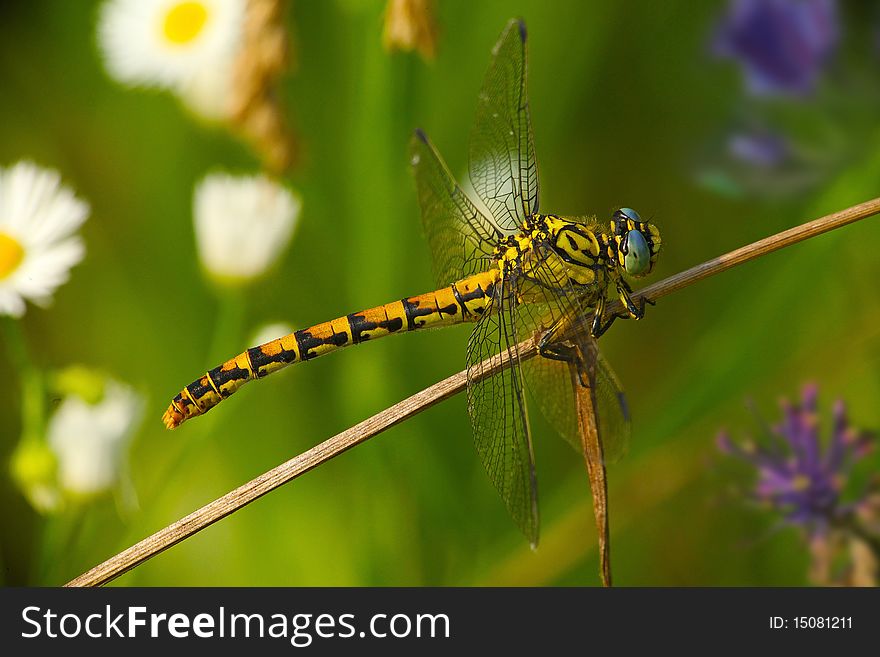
[463,301]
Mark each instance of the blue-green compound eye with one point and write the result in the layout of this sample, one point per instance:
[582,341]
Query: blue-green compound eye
[637,260]
[630,214]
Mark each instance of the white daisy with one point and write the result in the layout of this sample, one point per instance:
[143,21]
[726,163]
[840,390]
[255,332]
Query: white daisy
[243,224]
[38,244]
[90,440]
[208,94]
[188,46]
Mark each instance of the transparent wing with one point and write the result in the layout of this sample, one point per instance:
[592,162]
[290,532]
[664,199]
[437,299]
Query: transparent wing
[535,299]
[462,240]
[503,167]
[615,427]
[549,384]
[497,408]
[553,299]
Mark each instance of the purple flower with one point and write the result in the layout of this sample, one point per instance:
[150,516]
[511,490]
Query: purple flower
[796,474]
[782,45]
[761,148]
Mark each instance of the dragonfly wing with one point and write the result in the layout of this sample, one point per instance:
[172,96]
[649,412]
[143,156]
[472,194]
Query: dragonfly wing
[615,427]
[461,238]
[549,382]
[503,166]
[497,408]
[550,386]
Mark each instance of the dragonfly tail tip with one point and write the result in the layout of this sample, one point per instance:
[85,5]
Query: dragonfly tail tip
[172,418]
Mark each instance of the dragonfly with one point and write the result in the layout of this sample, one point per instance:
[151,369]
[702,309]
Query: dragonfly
[514,273]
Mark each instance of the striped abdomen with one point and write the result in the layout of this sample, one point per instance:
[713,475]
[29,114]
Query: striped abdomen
[465,300]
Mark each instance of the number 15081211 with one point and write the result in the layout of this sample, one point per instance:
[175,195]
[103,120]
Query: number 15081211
[811,623]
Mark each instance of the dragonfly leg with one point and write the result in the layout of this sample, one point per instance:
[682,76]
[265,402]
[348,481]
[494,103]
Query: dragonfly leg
[600,324]
[632,310]
[640,308]
[550,347]
[627,301]
[623,293]
[599,327]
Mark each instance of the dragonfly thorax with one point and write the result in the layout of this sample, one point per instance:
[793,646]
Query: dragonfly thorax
[581,252]
[556,252]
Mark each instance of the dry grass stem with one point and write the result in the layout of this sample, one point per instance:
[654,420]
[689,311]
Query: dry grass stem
[594,458]
[410,25]
[243,495]
[255,106]
[298,465]
[755,250]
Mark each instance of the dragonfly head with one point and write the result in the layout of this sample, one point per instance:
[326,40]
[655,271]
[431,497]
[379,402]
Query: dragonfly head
[638,242]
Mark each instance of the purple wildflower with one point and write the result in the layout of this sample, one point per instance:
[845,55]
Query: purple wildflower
[760,148]
[782,45]
[797,475]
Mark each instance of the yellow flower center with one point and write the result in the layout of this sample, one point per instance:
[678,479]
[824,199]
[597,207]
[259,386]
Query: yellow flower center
[11,255]
[800,483]
[184,22]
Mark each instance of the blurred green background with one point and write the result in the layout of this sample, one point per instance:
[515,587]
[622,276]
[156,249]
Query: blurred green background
[628,108]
